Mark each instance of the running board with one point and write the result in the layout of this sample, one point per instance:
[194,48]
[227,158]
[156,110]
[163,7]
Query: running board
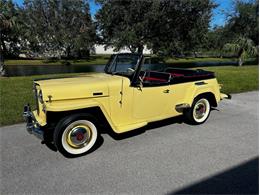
[181,107]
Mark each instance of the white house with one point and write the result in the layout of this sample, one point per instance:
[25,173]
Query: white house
[100,49]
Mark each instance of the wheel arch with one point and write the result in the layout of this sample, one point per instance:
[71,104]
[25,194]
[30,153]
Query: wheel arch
[53,117]
[210,96]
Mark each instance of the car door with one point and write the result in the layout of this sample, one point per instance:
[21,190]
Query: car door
[151,98]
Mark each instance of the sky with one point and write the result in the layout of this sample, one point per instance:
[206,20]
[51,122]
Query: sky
[219,13]
[218,18]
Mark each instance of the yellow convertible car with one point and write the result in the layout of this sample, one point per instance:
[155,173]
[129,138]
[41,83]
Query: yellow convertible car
[129,95]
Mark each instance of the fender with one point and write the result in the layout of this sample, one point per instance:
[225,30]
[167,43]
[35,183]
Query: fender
[77,104]
[206,86]
[102,103]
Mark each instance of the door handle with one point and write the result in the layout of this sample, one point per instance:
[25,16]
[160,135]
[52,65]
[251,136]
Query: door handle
[166,91]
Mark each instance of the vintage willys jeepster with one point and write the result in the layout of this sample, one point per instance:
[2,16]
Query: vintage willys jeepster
[129,95]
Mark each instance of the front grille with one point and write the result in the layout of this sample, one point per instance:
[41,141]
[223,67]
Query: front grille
[36,98]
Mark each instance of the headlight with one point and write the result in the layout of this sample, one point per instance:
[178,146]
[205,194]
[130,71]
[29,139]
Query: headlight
[40,97]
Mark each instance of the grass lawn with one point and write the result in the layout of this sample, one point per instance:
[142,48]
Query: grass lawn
[15,92]
[190,60]
[236,79]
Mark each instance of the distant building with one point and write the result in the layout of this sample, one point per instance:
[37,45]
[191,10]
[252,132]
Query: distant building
[100,49]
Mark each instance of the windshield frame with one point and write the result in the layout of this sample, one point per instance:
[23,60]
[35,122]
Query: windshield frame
[134,77]
[114,57]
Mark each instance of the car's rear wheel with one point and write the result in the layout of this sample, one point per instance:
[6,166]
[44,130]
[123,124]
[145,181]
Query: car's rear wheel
[199,112]
[75,135]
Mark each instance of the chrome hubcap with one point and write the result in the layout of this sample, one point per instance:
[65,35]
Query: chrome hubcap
[200,110]
[79,136]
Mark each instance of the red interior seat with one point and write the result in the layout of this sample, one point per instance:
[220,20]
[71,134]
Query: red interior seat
[154,79]
[177,74]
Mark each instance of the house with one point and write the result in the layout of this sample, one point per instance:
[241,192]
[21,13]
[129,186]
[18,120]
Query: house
[100,49]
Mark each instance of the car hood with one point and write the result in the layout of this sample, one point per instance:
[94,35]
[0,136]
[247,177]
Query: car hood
[82,86]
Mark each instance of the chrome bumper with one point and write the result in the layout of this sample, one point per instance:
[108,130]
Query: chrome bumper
[31,124]
[225,96]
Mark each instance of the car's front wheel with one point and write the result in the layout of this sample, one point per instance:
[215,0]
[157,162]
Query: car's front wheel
[75,135]
[199,112]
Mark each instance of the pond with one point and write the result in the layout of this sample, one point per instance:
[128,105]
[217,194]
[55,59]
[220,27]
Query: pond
[26,70]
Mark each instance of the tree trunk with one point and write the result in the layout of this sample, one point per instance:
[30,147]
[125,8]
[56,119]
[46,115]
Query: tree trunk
[140,49]
[2,67]
[79,56]
[240,61]
[68,52]
[132,49]
[240,57]
[195,54]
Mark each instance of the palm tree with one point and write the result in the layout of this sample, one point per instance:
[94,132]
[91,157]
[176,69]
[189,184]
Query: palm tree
[244,47]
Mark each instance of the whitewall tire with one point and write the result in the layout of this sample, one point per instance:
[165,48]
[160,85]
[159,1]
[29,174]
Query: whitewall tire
[199,112]
[75,135]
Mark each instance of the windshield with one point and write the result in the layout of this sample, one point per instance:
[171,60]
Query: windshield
[153,64]
[124,64]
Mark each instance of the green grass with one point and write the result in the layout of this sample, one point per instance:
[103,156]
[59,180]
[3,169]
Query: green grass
[236,79]
[15,92]
[192,60]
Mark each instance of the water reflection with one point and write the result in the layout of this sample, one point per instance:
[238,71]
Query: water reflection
[26,70]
